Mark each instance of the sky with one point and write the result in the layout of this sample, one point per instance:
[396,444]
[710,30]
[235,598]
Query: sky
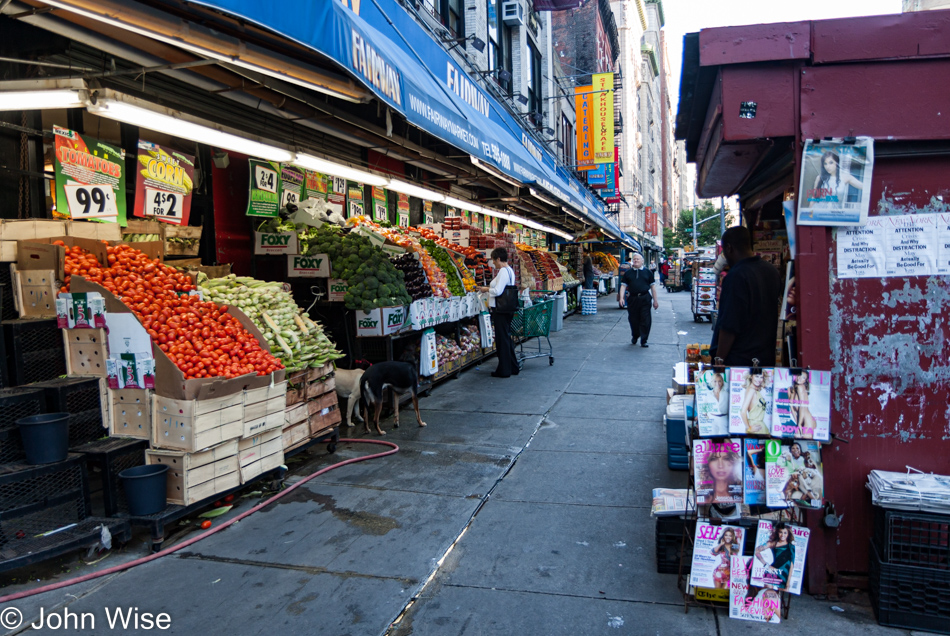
[687,16]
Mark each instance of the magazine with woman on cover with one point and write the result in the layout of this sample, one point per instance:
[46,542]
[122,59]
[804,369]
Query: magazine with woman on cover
[712,404]
[750,603]
[753,471]
[713,549]
[717,470]
[750,401]
[794,474]
[779,556]
[802,404]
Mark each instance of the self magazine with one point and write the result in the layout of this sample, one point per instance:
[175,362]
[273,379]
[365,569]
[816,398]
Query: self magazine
[713,549]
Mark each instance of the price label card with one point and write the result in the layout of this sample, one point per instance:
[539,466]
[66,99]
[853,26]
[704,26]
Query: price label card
[265,178]
[163,205]
[90,201]
[289,196]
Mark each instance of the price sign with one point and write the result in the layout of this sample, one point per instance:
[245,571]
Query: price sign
[265,178]
[289,196]
[163,205]
[356,209]
[90,201]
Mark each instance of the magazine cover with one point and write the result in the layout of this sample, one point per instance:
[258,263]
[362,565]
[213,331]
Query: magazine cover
[750,402]
[713,550]
[802,404]
[672,501]
[753,471]
[779,556]
[750,603]
[794,474]
[712,404]
[835,185]
[717,469]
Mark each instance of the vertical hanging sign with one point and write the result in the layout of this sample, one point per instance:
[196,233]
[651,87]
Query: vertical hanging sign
[583,109]
[380,205]
[354,199]
[163,184]
[264,198]
[603,117]
[291,185]
[402,207]
[90,178]
[336,194]
[427,216]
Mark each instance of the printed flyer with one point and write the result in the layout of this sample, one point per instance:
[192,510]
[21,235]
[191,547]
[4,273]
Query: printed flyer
[427,216]
[336,195]
[354,199]
[264,197]
[402,209]
[753,491]
[712,404]
[836,182]
[380,205]
[163,184]
[750,401]
[314,185]
[794,474]
[802,408]
[717,470]
[750,603]
[779,556]
[713,549]
[90,178]
[291,185]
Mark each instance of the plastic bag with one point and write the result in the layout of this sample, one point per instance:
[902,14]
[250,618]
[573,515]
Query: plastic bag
[601,287]
[486,330]
[428,357]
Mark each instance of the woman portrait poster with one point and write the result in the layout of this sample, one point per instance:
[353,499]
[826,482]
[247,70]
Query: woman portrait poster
[836,182]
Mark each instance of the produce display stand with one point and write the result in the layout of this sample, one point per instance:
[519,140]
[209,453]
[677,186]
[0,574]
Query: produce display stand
[534,322]
[703,298]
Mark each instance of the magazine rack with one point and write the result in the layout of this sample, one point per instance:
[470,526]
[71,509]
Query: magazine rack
[702,512]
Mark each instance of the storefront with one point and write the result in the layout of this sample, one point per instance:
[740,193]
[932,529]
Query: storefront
[754,102]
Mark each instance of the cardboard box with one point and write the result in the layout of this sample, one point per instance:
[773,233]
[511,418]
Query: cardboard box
[131,371]
[337,290]
[86,352]
[191,425]
[34,292]
[369,323]
[316,266]
[7,251]
[28,230]
[130,412]
[275,243]
[259,422]
[394,319]
[80,311]
[41,254]
[94,230]
[193,477]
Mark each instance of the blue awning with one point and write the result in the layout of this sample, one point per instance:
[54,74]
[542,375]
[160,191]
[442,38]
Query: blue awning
[383,46]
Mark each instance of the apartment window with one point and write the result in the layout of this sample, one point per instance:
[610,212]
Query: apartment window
[450,13]
[567,138]
[534,79]
[499,44]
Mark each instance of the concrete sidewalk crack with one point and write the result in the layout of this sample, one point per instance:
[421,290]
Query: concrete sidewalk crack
[309,569]
[565,595]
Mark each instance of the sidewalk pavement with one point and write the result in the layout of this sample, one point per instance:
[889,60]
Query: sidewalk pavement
[522,508]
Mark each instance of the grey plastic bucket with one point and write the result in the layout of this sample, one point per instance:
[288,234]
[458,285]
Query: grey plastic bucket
[145,488]
[45,437]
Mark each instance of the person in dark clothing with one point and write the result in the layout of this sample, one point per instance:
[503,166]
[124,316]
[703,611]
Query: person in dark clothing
[501,321]
[748,305]
[641,284]
[588,270]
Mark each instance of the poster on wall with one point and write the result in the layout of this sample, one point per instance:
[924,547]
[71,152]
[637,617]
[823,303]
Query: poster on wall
[836,182]
[354,199]
[164,181]
[90,178]
[314,185]
[264,197]
[291,185]
[380,205]
[402,208]
[896,245]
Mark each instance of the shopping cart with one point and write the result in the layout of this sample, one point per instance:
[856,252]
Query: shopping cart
[534,322]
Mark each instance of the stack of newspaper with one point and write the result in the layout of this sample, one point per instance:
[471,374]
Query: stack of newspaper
[669,502]
[910,491]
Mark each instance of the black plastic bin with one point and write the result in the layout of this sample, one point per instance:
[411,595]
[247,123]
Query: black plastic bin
[35,350]
[14,404]
[145,488]
[81,398]
[909,597]
[912,538]
[45,437]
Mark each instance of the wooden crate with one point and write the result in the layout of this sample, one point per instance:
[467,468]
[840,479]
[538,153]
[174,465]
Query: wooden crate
[296,434]
[296,414]
[320,372]
[94,230]
[295,396]
[129,412]
[322,422]
[322,402]
[181,240]
[298,378]
[34,292]
[318,388]
[190,425]
[86,352]
[196,476]
[260,454]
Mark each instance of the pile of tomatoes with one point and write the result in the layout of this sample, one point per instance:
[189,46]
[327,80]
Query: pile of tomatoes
[202,338]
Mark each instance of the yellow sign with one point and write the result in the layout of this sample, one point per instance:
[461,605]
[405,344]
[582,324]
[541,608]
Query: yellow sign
[603,117]
[711,594]
[585,140]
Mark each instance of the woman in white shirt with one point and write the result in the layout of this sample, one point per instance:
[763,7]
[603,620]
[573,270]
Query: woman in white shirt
[504,276]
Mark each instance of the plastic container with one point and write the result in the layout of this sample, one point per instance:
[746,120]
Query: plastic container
[145,489]
[45,437]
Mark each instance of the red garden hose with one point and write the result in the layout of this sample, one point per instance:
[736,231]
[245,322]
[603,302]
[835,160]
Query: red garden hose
[203,535]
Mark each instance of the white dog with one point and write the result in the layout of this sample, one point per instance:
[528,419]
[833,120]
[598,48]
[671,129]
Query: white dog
[348,386]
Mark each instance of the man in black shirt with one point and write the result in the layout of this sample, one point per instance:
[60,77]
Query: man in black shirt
[641,284]
[748,304]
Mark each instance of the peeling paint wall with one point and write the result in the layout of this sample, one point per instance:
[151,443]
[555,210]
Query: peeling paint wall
[890,353]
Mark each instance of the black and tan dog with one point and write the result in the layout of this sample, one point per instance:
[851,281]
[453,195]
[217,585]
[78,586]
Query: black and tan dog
[400,378]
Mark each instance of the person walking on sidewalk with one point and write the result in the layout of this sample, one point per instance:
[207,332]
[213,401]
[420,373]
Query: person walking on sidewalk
[501,321]
[748,305]
[637,287]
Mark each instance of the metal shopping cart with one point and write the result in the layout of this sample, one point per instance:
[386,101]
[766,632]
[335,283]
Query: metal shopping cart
[534,322]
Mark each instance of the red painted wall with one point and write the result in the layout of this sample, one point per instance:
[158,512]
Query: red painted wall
[232,230]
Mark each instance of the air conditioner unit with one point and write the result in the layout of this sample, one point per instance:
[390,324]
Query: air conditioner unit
[512,12]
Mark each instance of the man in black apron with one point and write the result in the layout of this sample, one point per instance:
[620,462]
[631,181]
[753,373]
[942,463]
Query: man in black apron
[637,289]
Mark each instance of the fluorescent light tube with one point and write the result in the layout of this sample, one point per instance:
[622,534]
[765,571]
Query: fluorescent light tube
[338,170]
[495,213]
[414,191]
[177,126]
[462,205]
[41,100]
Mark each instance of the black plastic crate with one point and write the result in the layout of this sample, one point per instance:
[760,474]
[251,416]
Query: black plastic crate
[7,308]
[14,404]
[80,397]
[909,597]
[912,538]
[106,458]
[35,350]
[670,548]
